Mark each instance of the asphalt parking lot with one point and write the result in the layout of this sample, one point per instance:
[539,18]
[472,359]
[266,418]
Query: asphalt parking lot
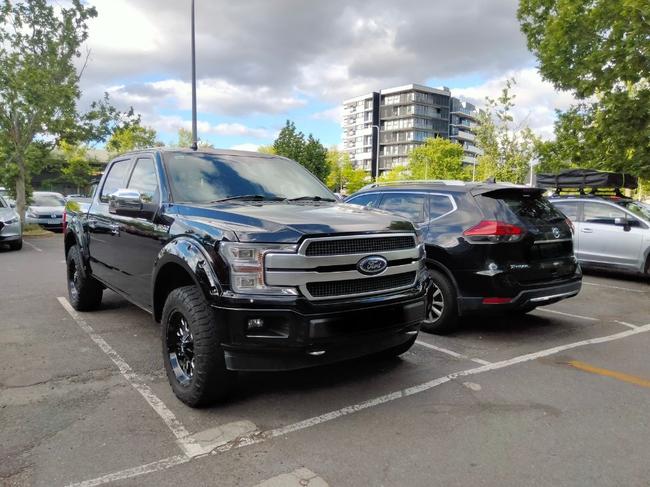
[559,397]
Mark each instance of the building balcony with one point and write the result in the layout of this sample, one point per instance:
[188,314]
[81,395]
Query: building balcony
[462,135]
[472,149]
[464,112]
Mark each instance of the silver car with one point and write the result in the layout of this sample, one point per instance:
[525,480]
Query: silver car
[609,233]
[46,210]
[11,231]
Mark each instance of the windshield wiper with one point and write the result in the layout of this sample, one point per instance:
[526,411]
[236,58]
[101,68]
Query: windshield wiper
[252,197]
[310,198]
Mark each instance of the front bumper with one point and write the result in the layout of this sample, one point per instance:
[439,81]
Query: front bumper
[309,334]
[10,232]
[49,223]
[539,296]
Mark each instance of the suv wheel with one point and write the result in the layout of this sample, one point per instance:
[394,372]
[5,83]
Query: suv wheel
[17,245]
[192,353]
[85,293]
[442,312]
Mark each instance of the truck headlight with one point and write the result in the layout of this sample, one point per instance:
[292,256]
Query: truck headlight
[246,263]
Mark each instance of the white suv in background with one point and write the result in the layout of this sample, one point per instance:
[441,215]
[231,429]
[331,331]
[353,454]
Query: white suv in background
[609,233]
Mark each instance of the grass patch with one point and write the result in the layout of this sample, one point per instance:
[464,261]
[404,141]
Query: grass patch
[32,230]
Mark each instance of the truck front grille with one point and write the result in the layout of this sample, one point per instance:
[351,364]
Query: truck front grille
[360,286]
[359,245]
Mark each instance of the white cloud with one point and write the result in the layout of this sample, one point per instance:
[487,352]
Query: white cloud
[333,115]
[247,147]
[172,123]
[535,103]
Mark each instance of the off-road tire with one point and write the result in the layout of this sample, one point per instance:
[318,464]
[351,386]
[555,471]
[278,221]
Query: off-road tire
[442,289]
[210,381]
[84,292]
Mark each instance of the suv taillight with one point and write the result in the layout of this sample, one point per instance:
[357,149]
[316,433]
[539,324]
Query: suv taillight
[493,231]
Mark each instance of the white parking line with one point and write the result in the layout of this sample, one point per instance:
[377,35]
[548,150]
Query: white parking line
[588,318]
[451,352]
[298,478]
[615,287]
[32,246]
[256,438]
[629,325]
[183,438]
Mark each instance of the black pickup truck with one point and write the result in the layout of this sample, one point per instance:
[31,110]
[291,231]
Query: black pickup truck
[248,262]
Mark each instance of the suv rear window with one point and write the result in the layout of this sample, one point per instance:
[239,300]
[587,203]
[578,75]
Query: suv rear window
[531,207]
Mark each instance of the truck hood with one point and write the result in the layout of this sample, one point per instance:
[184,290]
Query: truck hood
[282,222]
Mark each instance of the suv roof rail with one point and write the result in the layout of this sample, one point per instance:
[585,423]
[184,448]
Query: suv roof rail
[449,182]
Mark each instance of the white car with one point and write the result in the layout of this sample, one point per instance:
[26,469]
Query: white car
[612,233]
[11,231]
[46,210]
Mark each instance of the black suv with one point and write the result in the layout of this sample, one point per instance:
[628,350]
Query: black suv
[489,246]
[248,262]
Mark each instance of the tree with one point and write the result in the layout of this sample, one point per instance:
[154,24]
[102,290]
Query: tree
[314,158]
[437,158]
[185,139]
[598,49]
[290,142]
[266,149]
[343,177]
[131,137]
[310,153]
[77,169]
[39,85]
[508,147]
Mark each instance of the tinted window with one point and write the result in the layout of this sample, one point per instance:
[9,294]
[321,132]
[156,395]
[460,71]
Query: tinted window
[439,205]
[143,179]
[365,200]
[407,205]
[47,200]
[115,179]
[531,207]
[569,209]
[205,177]
[601,213]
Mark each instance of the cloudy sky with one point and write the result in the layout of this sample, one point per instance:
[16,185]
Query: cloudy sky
[260,62]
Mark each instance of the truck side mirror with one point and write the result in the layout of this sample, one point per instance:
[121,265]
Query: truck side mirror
[129,202]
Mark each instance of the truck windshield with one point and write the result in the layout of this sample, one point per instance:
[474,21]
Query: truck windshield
[207,178]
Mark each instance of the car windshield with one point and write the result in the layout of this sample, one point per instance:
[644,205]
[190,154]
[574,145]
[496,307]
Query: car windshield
[3,203]
[209,178]
[47,200]
[637,208]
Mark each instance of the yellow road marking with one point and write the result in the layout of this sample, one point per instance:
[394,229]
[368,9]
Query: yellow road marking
[632,379]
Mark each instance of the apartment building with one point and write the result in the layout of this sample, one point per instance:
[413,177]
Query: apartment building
[381,128]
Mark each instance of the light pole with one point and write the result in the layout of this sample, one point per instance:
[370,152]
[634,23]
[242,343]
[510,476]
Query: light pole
[195,140]
[377,172]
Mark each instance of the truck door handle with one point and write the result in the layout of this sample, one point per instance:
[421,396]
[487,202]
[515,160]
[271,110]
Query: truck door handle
[587,230]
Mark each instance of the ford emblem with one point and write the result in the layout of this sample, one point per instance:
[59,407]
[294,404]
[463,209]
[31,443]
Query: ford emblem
[556,232]
[371,265]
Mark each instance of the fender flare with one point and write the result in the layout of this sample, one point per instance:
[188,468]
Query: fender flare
[189,254]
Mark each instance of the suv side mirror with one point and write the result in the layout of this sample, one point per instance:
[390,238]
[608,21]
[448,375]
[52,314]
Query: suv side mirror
[129,202]
[623,222]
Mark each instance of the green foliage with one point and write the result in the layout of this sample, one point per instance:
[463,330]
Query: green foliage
[77,169]
[343,177]
[398,173]
[599,49]
[131,137]
[437,158]
[508,147]
[39,87]
[185,140]
[266,149]
[309,152]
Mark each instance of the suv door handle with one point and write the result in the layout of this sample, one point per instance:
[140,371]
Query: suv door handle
[587,230]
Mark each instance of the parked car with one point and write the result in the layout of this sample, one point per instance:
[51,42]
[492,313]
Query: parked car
[249,263]
[488,246]
[4,192]
[11,231]
[46,210]
[611,232]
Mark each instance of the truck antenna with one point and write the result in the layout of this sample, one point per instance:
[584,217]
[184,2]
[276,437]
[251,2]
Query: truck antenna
[195,144]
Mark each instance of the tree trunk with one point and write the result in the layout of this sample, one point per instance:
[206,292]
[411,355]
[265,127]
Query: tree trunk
[21,202]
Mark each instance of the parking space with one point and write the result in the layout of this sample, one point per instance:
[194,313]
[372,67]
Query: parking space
[510,400]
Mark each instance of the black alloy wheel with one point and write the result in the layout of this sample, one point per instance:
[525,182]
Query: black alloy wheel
[180,347]
[84,292]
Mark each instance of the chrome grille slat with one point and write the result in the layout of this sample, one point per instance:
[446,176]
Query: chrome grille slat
[310,272]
